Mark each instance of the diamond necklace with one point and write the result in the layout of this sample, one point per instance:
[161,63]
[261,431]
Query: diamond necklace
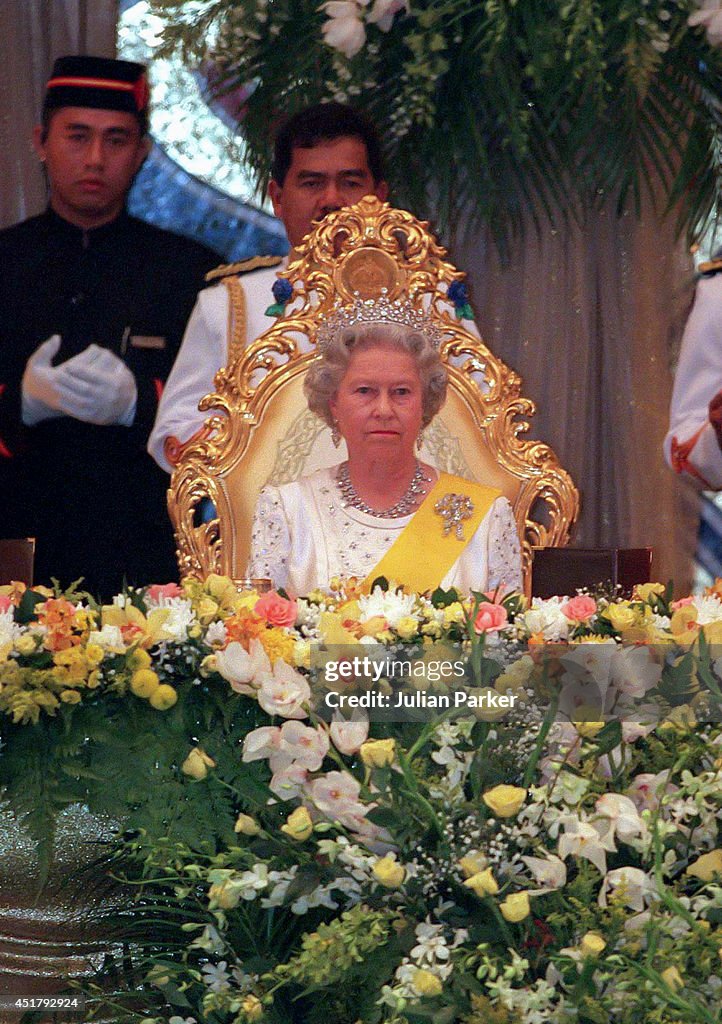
[403,507]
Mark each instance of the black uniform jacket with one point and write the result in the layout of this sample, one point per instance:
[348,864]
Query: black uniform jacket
[91,495]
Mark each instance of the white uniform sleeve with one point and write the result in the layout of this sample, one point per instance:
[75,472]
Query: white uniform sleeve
[697,381]
[201,355]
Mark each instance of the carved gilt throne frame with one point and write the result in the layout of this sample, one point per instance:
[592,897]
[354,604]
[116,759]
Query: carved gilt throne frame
[260,430]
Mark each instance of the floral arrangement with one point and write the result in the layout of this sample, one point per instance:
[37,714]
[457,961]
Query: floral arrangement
[546,861]
[493,108]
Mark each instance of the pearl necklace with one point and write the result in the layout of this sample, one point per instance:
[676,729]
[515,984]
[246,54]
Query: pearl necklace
[403,507]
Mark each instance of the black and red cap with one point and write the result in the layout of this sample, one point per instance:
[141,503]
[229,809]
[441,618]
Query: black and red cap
[99,82]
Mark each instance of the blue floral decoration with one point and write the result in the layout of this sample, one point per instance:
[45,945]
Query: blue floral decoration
[282,293]
[457,293]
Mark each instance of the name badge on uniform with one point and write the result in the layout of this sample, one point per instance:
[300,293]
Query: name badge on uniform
[147,341]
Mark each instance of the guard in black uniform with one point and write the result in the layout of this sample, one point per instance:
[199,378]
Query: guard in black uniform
[94,303]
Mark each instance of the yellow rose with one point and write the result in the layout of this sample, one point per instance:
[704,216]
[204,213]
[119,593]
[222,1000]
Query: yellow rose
[378,753]
[426,984]
[139,658]
[592,944]
[248,599]
[163,697]
[515,907]
[483,883]
[621,615]
[707,866]
[643,591]
[388,872]
[516,675]
[407,627]
[206,610]
[246,825]
[252,1007]
[144,682]
[25,644]
[197,764]
[505,801]
[298,825]
[472,863]
[673,978]
[222,588]
[70,697]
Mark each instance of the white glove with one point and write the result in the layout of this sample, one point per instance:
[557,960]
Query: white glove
[40,396]
[97,387]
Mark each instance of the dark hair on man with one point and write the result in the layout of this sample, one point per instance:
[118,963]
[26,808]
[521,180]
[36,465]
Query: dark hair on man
[325,122]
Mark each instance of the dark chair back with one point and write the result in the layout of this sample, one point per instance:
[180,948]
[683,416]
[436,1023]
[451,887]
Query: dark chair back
[565,570]
[16,560]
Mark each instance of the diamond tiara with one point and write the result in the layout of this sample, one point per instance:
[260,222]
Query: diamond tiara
[377,311]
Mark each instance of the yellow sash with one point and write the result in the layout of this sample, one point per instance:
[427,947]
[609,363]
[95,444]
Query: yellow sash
[422,555]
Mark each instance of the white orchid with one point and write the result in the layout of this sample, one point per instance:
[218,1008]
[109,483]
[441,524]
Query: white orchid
[344,30]
[389,605]
[347,734]
[549,871]
[636,889]
[623,816]
[301,745]
[288,783]
[583,840]
[383,12]
[244,669]
[284,693]
[635,671]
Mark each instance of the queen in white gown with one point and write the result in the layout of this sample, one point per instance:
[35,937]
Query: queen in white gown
[377,384]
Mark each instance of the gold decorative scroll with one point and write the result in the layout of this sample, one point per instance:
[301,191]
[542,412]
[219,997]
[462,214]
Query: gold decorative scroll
[368,250]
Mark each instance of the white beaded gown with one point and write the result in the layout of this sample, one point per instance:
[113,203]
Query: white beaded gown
[303,536]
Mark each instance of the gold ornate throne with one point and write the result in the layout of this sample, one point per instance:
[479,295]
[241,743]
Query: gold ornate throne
[261,431]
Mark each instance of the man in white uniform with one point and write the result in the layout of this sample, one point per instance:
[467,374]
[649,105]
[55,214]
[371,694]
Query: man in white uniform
[325,158]
[693,445]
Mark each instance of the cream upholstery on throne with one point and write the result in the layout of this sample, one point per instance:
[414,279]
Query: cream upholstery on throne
[262,432]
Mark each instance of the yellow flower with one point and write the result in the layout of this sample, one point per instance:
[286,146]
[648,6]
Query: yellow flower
[643,591]
[144,682]
[221,588]
[707,866]
[585,721]
[713,632]
[197,764]
[453,612]
[378,753]
[681,719]
[472,863]
[505,801]
[246,825]
[298,825]
[302,654]
[331,629]
[515,907]
[70,697]
[407,626]
[134,626]
[683,624]
[426,984]
[673,978]
[25,644]
[483,883]
[277,645]
[163,697]
[592,944]
[138,658]
[251,1008]
[621,615]
[516,675]
[208,666]
[388,872]
[95,654]
[246,599]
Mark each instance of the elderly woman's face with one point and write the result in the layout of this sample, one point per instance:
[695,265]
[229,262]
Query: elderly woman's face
[378,406]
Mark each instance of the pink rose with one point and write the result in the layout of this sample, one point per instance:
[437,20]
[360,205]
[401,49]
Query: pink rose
[579,608]
[490,617]
[276,610]
[682,603]
[158,590]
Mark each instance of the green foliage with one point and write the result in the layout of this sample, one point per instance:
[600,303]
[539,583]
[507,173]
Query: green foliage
[501,110]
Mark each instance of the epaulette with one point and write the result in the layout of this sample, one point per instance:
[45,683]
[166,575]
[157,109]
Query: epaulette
[242,267]
[710,267]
